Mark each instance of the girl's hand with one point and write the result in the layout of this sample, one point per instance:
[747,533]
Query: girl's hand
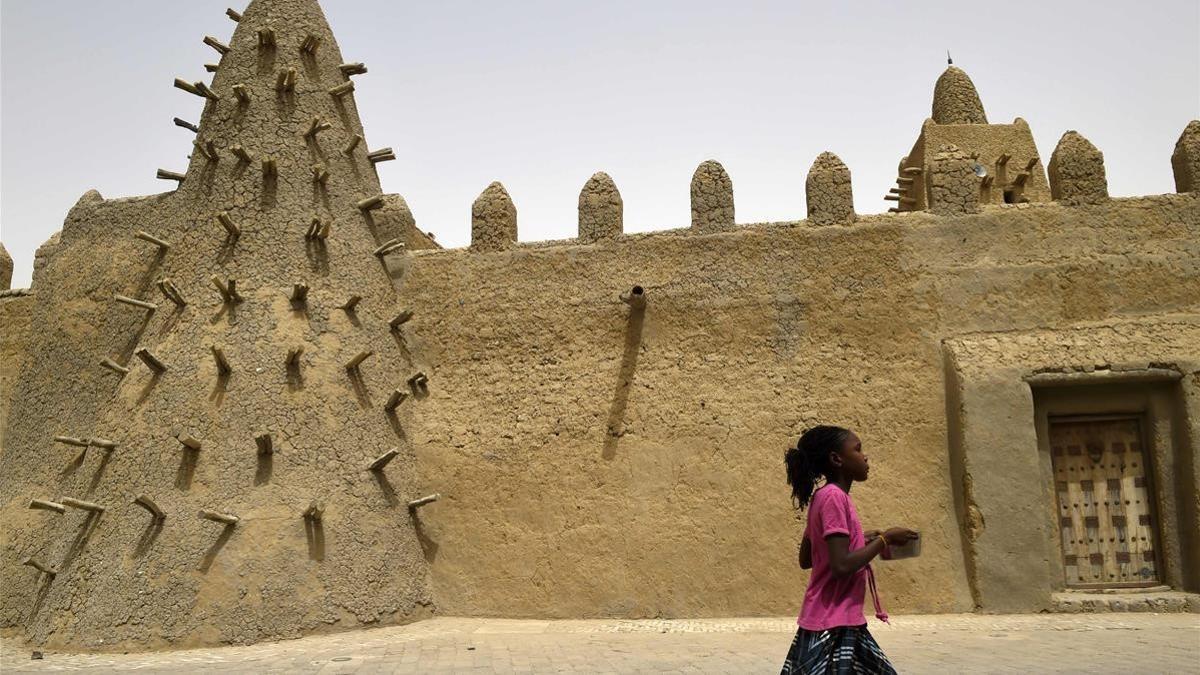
[871,535]
[898,536]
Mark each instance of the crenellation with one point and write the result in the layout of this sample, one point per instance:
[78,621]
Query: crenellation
[600,209]
[828,191]
[1077,171]
[493,220]
[1185,160]
[712,198]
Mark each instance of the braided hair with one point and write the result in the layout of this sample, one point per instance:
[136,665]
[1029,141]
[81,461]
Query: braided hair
[809,460]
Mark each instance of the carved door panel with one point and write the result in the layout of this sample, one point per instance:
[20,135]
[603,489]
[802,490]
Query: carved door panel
[1105,502]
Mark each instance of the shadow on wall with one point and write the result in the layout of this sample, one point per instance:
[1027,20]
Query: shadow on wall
[615,427]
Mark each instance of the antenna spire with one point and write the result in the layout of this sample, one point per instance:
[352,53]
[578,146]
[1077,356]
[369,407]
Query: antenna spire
[949,61]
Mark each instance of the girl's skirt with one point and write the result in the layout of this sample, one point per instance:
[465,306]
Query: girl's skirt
[847,649]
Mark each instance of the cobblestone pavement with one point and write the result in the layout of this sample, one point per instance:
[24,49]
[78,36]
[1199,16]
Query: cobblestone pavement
[963,643]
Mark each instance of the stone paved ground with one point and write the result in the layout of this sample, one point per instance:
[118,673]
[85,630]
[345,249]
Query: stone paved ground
[1047,643]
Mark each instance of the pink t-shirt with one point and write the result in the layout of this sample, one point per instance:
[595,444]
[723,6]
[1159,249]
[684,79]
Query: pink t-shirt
[830,602]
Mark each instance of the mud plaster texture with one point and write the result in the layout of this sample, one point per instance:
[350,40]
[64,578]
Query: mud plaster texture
[593,458]
[953,185]
[493,220]
[124,581]
[600,209]
[712,198]
[828,192]
[1185,161]
[955,100]
[1077,171]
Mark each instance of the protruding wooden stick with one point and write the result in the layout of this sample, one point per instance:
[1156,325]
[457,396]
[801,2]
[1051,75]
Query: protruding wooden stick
[418,503]
[370,203]
[419,383]
[289,84]
[987,180]
[316,126]
[39,566]
[281,81]
[342,89]
[69,440]
[229,294]
[355,362]
[216,44]
[1021,179]
[381,155]
[351,304]
[242,94]
[230,227]
[132,302]
[895,191]
[190,88]
[1003,159]
[320,174]
[171,291]
[190,442]
[187,125]
[218,517]
[293,357]
[146,503]
[80,504]
[299,293]
[211,67]
[151,361]
[315,511]
[240,152]
[318,230]
[349,69]
[206,92]
[400,319]
[233,14]
[266,38]
[310,44]
[103,444]
[223,367]
[352,144]
[46,505]
[115,367]
[892,198]
[635,297]
[893,210]
[266,445]
[163,174]
[904,181]
[383,460]
[152,239]
[389,247]
[207,150]
[395,400]
[914,171]
[269,168]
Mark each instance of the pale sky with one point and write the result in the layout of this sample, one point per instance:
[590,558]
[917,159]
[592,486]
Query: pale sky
[540,94]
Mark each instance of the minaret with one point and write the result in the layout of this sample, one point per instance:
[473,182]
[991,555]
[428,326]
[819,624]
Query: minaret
[1004,162]
[247,359]
[955,100]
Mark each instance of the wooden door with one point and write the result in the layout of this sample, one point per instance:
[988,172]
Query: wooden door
[1105,503]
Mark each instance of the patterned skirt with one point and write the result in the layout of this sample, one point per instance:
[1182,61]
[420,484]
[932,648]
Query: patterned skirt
[848,649]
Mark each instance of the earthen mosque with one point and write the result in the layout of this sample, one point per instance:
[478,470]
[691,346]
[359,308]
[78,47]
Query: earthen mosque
[264,404]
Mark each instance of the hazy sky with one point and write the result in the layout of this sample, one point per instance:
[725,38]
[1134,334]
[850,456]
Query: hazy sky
[540,94]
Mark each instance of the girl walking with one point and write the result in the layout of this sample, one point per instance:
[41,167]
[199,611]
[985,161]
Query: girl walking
[833,636]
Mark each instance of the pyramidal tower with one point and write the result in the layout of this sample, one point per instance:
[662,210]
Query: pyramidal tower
[209,444]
